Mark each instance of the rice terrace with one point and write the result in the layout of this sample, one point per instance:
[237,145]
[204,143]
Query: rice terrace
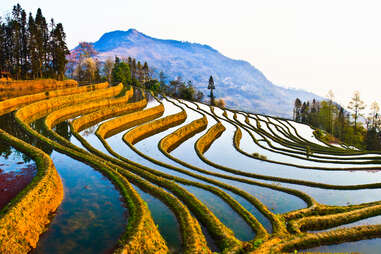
[103,155]
[222,177]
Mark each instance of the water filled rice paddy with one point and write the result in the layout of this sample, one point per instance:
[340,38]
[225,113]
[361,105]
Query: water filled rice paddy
[145,173]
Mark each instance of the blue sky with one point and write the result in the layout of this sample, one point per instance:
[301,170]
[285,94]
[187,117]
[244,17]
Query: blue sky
[309,44]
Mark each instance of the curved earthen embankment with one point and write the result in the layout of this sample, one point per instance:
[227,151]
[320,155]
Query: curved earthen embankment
[141,234]
[24,218]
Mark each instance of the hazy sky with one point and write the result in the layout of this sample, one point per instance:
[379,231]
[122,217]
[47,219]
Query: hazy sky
[309,44]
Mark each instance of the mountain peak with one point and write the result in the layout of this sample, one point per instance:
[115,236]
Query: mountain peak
[133,31]
[130,33]
[119,38]
[238,82]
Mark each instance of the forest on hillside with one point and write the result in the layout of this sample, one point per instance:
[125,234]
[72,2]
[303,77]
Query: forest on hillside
[338,124]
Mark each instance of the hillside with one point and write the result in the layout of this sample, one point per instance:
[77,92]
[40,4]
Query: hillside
[238,82]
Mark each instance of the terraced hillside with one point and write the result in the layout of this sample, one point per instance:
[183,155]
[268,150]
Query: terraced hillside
[125,171]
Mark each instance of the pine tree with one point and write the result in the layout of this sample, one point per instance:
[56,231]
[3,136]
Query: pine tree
[27,46]
[331,97]
[121,72]
[341,123]
[24,45]
[133,69]
[3,55]
[139,72]
[146,76]
[15,24]
[40,36]
[211,87]
[59,51]
[32,49]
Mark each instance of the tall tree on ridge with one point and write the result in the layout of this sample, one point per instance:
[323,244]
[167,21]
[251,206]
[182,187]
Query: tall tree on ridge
[374,109]
[2,46]
[32,49]
[42,39]
[15,25]
[331,97]
[211,87]
[297,107]
[24,45]
[356,105]
[341,122]
[146,74]
[59,51]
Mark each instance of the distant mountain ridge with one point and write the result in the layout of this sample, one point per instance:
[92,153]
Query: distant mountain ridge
[238,82]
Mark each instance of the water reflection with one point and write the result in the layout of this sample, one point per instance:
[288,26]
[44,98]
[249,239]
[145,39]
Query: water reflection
[91,217]
[372,246]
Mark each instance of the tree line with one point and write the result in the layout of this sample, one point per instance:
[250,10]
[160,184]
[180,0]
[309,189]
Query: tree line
[30,47]
[339,125]
[84,66]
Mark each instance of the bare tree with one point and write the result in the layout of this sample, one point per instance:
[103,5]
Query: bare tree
[91,68]
[107,68]
[220,103]
[356,105]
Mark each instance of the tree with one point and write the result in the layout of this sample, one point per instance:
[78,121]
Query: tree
[356,105]
[174,86]
[374,109]
[139,72]
[133,68]
[24,45]
[107,68]
[85,50]
[341,123]
[121,72]
[42,42]
[297,108]
[199,96]
[15,24]
[152,85]
[33,47]
[211,87]
[90,69]
[146,72]
[220,103]
[29,48]
[162,79]
[373,140]
[59,51]
[331,97]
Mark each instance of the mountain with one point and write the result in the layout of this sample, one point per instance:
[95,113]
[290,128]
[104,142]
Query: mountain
[240,84]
